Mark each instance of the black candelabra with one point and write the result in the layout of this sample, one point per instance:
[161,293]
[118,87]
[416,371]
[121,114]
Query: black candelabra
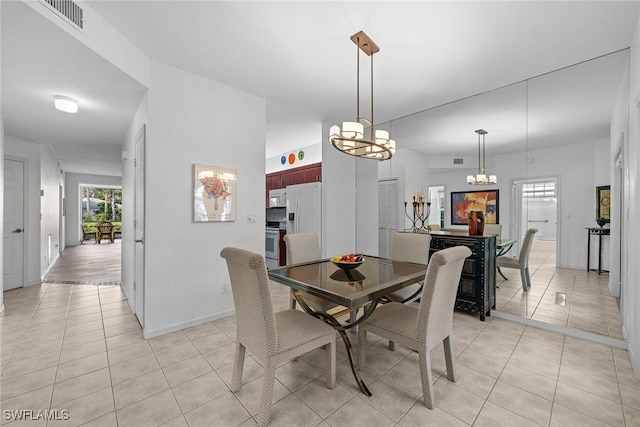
[420,215]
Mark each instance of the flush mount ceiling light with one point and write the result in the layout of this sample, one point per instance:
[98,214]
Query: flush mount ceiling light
[351,138]
[481,178]
[66,104]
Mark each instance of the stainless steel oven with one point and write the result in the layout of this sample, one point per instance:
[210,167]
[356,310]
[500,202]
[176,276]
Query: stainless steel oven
[272,246]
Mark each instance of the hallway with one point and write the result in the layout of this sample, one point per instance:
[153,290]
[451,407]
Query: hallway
[88,264]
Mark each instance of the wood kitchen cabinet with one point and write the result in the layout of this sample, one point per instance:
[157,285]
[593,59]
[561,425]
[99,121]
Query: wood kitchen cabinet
[301,175]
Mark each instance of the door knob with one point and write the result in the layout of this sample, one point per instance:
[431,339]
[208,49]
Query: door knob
[140,241]
[18,230]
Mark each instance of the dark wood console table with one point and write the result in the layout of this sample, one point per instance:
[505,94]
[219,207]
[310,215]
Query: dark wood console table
[477,288]
[596,231]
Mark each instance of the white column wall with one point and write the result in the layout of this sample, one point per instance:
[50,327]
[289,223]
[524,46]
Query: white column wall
[631,275]
[196,120]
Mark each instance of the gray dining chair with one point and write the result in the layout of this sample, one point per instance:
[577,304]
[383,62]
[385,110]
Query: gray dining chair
[271,338]
[304,247]
[521,262]
[422,328]
[493,230]
[409,247]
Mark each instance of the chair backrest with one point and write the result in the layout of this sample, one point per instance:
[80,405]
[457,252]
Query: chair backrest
[523,257]
[493,229]
[302,247]
[434,227]
[255,319]
[105,227]
[435,315]
[410,247]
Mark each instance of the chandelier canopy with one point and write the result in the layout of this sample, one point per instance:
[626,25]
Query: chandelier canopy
[481,177]
[351,138]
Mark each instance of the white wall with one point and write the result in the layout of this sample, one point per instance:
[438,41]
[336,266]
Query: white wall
[339,182]
[51,178]
[2,208]
[73,220]
[195,120]
[312,154]
[631,275]
[576,200]
[411,169]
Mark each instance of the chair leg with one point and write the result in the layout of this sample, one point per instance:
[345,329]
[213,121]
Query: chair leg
[425,374]
[523,277]
[361,356]
[448,358]
[330,368]
[266,395]
[528,277]
[392,345]
[500,271]
[238,366]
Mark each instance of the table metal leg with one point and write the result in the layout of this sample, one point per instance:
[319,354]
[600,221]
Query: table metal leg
[329,319]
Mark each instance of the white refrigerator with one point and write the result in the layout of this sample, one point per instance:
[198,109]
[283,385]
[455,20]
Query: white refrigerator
[304,208]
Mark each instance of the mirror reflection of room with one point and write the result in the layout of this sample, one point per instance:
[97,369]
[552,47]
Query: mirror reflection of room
[549,144]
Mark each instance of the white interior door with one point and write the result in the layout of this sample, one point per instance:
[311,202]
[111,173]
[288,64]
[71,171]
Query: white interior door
[138,285]
[13,239]
[387,215]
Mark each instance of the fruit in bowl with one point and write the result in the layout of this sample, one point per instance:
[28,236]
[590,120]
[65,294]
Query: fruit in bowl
[348,261]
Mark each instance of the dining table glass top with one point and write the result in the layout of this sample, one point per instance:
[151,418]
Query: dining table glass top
[373,279]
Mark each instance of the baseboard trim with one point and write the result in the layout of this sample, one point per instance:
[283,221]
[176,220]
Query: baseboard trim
[588,336]
[152,333]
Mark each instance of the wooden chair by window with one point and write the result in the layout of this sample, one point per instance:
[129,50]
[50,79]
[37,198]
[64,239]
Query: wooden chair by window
[87,235]
[105,230]
[271,338]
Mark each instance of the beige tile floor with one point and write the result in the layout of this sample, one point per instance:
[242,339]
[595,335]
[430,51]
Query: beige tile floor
[78,348]
[574,298]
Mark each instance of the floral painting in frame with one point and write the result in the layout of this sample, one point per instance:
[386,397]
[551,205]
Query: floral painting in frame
[214,194]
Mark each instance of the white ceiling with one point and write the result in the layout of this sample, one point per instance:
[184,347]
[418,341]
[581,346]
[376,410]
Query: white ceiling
[299,57]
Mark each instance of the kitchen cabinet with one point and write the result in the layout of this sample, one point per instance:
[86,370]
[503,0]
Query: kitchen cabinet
[300,175]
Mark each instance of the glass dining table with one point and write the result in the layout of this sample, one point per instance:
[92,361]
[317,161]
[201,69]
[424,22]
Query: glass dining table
[359,288]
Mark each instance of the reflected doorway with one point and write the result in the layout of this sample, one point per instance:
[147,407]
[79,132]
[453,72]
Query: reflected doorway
[536,204]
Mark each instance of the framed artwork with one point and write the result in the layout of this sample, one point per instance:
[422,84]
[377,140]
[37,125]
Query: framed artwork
[463,202]
[214,193]
[603,203]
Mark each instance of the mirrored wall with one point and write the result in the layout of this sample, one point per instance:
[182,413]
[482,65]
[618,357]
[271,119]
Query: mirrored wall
[549,145]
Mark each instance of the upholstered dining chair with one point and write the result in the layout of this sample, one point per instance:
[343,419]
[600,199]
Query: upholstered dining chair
[521,262]
[272,338]
[493,229]
[303,247]
[410,247]
[422,328]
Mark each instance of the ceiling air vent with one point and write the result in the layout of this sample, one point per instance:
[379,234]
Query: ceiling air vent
[69,10]
[458,161]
